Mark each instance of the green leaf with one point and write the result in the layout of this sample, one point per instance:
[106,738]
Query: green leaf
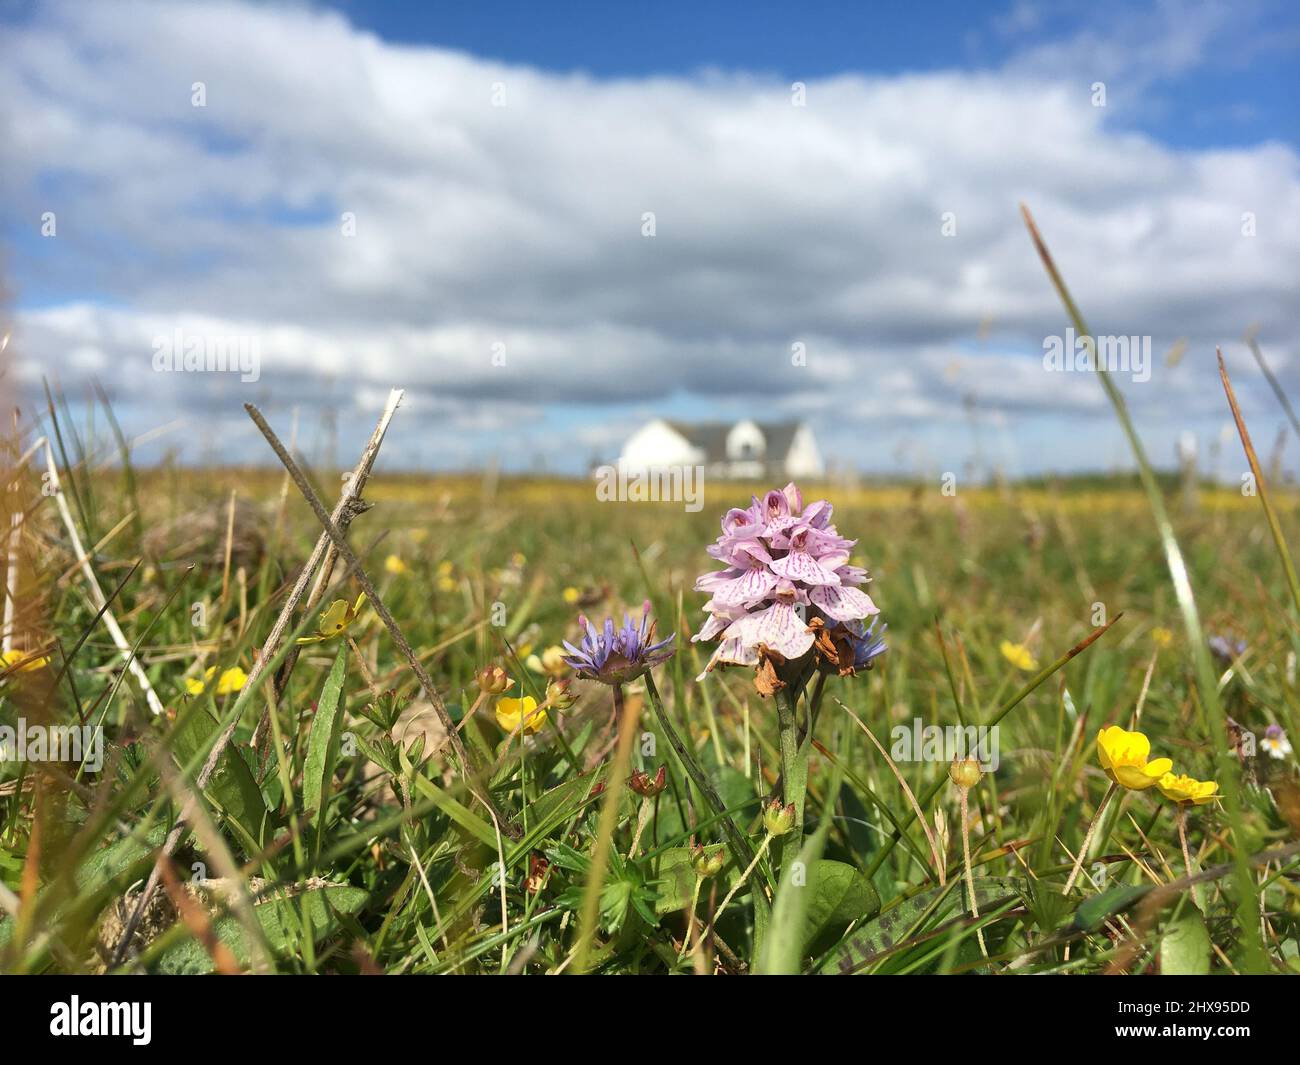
[1185,945]
[676,880]
[456,810]
[838,895]
[281,921]
[232,787]
[323,748]
[120,860]
[781,953]
[914,916]
[1095,910]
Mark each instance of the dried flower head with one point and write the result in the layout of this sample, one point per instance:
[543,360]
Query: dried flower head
[648,786]
[493,680]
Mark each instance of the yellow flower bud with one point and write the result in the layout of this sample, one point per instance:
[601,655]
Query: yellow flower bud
[964,772]
[706,864]
[559,694]
[778,819]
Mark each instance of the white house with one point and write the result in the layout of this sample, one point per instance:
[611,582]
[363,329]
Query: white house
[747,450]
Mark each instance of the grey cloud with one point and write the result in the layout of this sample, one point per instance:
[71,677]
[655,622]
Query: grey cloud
[520,225]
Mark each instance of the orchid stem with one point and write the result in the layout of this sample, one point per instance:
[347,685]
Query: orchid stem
[794,775]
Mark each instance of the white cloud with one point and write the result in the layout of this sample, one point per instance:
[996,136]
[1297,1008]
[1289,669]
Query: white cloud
[520,226]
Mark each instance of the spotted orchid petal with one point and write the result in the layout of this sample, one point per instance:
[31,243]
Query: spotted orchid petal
[843,604]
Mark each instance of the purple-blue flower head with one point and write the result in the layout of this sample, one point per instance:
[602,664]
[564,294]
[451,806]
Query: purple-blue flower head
[1226,650]
[618,656]
[867,644]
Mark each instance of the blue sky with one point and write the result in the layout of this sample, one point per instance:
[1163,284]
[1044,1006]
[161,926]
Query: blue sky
[1245,94]
[498,162]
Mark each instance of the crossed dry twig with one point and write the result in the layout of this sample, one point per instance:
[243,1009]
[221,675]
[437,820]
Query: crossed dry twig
[347,507]
[394,630]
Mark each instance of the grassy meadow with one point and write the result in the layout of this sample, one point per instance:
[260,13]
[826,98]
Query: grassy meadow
[343,835]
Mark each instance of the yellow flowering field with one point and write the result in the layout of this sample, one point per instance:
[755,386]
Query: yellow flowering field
[984,748]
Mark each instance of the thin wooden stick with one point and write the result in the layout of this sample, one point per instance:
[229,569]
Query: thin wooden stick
[347,508]
[376,602]
[347,504]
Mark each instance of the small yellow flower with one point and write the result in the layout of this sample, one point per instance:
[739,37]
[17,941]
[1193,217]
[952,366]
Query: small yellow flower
[571,595]
[1124,754]
[1162,636]
[395,566]
[445,568]
[446,584]
[1183,788]
[551,662]
[25,661]
[1019,656]
[510,711]
[335,618]
[231,680]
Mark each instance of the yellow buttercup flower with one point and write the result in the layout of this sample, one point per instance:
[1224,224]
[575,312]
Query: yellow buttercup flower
[551,662]
[395,566]
[231,680]
[571,595]
[1183,788]
[1019,655]
[445,568]
[511,711]
[25,661]
[1124,754]
[335,618]
[1162,636]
